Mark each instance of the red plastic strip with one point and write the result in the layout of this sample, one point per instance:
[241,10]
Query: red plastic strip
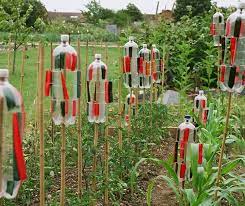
[186,134]
[68,60]
[48,82]
[90,73]
[200,153]
[222,73]
[203,103]
[65,91]
[141,62]
[73,62]
[182,170]
[233,49]
[126,66]
[74,108]
[20,161]
[212,29]
[228,28]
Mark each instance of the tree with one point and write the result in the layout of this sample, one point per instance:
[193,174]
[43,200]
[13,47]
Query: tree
[95,12]
[17,18]
[193,7]
[134,13]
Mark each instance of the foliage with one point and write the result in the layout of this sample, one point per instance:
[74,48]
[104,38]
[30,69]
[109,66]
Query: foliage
[194,7]
[16,17]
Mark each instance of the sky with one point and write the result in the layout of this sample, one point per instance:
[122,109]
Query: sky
[146,6]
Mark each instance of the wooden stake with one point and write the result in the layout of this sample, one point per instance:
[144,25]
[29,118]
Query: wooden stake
[63,159]
[106,54]
[106,156]
[9,54]
[1,140]
[151,100]
[52,67]
[223,143]
[22,69]
[79,139]
[85,78]
[40,124]
[94,168]
[119,99]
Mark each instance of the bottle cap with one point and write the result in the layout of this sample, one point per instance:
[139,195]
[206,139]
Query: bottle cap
[153,45]
[201,92]
[241,5]
[144,45]
[97,56]
[4,73]
[131,38]
[64,38]
[188,117]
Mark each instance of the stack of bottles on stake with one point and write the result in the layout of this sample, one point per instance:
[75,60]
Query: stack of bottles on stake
[185,150]
[63,84]
[12,120]
[200,107]
[232,69]
[99,90]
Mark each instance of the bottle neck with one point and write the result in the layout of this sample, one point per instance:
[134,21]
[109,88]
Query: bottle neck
[3,79]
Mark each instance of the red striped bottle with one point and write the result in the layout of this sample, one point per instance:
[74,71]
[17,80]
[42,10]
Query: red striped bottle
[145,72]
[99,90]
[156,65]
[63,84]
[131,64]
[12,115]
[217,28]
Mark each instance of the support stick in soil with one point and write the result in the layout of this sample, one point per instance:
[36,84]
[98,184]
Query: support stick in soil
[52,66]
[223,143]
[1,142]
[96,136]
[106,166]
[79,146]
[22,68]
[63,158]
[41,124]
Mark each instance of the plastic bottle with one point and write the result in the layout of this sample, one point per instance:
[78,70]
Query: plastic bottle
[130,100]
[63,83]
[186,134]
[131,64]
[217,28]
[156,65]
[99,90]
[200,102]
[145,72]
[12,115]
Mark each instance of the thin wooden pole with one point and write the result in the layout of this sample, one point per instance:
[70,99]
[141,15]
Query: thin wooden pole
[22,69]
[41,126]
[106,54]
[219,62]
[106,156]
[52,67]
[1,141]
[9,54]
[223,143]
[85,78]
[79,139]
[119,98]
[1,145]
[94,168]
[151,100]
[63,159]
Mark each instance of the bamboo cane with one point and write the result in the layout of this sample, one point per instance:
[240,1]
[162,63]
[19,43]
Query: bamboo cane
[106,54]
[22,69]
[85,80]
[151,100]
[41,126]
[106,156]
[52,67]
[94,168]
[9,54]
[223,143]
[1,141]
[63,158]
[79,146]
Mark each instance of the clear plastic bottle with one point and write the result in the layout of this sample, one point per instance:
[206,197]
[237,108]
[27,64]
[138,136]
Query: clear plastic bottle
[63,83]
[200,102]
[232,78]
[235,38]
[156,65]
[145,72]
[186,134]
[217,28]
[131,64]
[99,90]
[130,100]
[12,117]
